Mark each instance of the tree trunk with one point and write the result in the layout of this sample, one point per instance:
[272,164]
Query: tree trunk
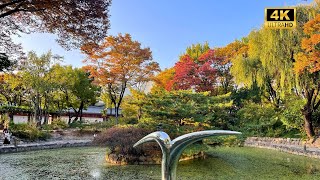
[78,113]
[37,113]
[80,110]
[308,127]
[69,114]
[29,117]
[139,113]
[116,113]
[81,115]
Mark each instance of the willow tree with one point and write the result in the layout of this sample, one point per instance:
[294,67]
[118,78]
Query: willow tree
[270,58]
[117,63]
[270,63]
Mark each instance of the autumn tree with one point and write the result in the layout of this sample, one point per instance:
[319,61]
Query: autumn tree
[225,54]
[238,47]
[162,80]
[307,68]
[117,63]
[197,69]
[75,22]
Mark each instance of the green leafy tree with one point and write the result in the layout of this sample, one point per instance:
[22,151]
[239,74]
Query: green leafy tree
[12,90]
[73,89]
[259,120]
[35,75]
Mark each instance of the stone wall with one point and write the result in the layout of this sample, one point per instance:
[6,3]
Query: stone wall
[43,145]
[289,145]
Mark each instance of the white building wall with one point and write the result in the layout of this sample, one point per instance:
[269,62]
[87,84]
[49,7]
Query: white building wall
[65,119]
[17,119]
[112,111]
[92,119]
[20,119]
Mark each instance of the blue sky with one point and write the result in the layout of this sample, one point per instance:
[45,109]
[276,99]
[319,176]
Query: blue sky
[168,27]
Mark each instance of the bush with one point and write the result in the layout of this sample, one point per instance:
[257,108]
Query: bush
[260,120]
[59,124]
[55,125]
[291,115]
[28,132]
[128,120]
[194,149]
[229,141]
[121,140]
[77,124]
[4,120]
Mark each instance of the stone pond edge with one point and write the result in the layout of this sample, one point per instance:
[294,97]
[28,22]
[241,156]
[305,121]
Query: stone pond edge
[288,145]
[44,145]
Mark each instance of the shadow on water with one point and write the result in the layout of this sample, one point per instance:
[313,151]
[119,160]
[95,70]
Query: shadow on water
[222,163]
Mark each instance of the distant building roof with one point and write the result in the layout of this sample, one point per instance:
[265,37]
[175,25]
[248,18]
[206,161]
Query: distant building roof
[99,103]
[98,110]
[94,109]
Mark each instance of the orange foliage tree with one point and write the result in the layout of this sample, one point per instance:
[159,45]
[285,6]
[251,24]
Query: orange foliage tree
[75,22]
[310,59]
[163,79]
[231,50]
[307,68]
[117,63]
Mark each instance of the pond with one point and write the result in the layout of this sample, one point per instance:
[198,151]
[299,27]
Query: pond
[223,163]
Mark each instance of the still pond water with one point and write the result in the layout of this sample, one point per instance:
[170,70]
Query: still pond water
[223,163]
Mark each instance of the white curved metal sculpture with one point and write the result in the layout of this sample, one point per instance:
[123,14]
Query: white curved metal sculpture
[172,150]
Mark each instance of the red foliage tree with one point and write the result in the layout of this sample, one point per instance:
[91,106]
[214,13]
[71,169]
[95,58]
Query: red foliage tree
[198,73]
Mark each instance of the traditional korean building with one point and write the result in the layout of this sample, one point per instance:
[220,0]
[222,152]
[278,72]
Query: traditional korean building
[92,114]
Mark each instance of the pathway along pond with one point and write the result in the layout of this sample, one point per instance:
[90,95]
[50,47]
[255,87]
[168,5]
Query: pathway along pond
[223,163]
